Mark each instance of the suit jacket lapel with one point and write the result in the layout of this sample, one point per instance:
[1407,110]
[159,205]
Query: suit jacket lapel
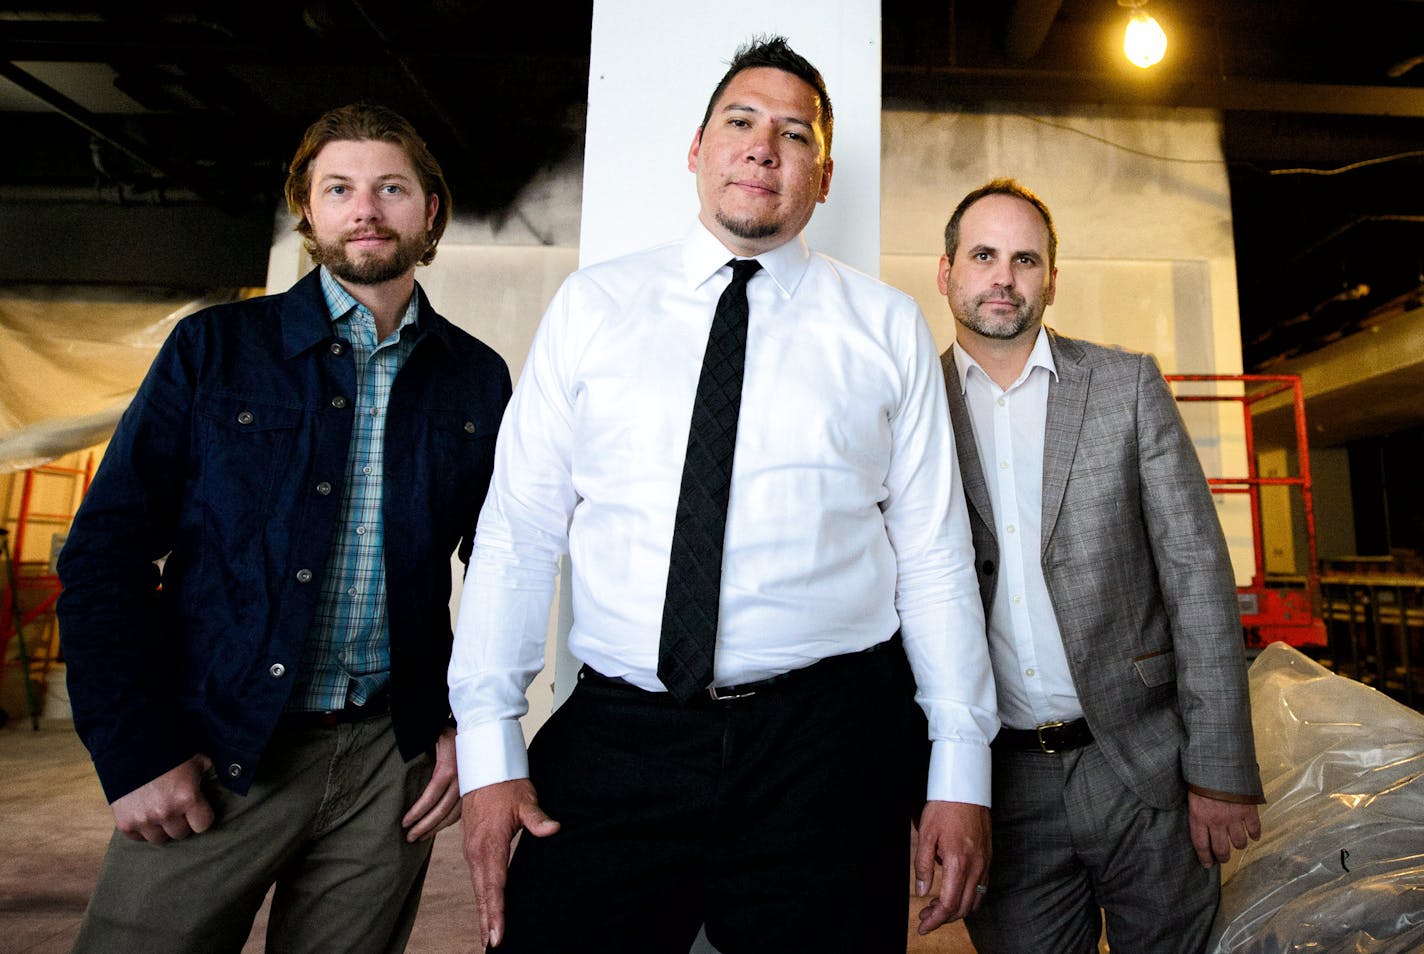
[971,471]
[1067,400]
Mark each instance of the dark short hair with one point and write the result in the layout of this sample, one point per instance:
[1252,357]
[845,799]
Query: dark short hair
[775,53]
[360,122]
[1002,186]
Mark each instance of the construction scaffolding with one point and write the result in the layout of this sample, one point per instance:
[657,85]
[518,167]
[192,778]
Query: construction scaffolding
[29,633]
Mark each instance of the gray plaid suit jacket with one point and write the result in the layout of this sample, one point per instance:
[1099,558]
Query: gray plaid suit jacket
[1138,572]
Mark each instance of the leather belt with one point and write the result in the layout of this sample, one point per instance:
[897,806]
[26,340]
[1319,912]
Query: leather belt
[724,694]
[378,706]
[1048,738]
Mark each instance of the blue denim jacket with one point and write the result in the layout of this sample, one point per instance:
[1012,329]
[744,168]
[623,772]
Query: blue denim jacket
[230,463]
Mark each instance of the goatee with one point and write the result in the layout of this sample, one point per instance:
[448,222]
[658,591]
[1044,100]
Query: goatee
[748,228]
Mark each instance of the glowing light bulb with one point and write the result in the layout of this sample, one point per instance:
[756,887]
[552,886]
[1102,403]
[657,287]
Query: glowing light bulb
[1144,42]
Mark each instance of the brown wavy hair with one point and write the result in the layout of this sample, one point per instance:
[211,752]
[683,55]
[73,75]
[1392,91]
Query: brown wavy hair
[364,122]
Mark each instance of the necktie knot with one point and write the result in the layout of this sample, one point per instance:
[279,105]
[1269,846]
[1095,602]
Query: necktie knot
[743,269]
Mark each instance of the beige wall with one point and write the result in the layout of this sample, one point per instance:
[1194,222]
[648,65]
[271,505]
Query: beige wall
[1142,206]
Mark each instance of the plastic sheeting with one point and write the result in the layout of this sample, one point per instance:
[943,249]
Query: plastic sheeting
[1340,865]
[71,360]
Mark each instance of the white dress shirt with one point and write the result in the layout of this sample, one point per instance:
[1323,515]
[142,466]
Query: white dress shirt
[1030,664]
[846,522]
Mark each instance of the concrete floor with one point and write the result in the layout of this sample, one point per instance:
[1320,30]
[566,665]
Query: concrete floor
[54,825]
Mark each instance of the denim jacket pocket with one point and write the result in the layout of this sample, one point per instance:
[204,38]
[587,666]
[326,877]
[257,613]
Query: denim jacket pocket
[245,446]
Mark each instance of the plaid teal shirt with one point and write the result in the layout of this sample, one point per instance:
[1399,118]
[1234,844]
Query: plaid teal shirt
[348,654]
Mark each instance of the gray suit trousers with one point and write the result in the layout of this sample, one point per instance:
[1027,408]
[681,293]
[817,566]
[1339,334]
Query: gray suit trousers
[1069,839]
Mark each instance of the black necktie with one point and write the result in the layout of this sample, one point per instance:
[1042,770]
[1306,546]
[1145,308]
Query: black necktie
[695,566]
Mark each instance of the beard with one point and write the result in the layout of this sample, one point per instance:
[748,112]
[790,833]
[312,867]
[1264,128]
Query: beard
[748,228]
[372,268]
[1024,317]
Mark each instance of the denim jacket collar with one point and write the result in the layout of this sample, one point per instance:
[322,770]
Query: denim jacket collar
[306,324]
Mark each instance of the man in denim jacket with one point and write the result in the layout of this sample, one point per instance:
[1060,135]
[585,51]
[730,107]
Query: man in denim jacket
[255,614]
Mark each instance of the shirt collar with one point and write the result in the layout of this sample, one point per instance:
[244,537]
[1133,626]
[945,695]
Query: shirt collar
[703,255]
[1040,357]
[340,302]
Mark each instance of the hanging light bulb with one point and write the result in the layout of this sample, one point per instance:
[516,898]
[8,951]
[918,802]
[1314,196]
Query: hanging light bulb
[1144,42]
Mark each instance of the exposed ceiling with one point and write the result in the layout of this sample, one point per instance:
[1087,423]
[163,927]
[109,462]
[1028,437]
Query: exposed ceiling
[186,112]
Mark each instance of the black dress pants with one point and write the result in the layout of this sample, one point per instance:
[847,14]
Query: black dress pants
[777,820]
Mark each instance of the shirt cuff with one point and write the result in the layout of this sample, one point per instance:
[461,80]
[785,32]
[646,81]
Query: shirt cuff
[959,772]
[489,753]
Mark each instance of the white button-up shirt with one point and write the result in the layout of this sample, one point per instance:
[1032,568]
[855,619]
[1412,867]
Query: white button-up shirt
[1030,664]
[846,521]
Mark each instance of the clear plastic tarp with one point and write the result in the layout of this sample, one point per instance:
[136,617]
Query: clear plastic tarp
[1340,864]
[70,361]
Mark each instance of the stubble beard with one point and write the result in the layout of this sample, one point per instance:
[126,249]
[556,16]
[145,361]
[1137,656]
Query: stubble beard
[1024,317]
[372,268]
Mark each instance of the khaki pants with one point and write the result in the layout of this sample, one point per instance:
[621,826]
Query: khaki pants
[322,823]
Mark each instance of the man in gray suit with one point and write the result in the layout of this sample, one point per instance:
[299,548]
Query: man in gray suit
[1125,768]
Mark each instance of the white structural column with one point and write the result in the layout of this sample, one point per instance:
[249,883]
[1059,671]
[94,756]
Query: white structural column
[652,66]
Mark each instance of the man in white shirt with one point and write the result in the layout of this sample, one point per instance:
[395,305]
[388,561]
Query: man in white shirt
[1125,766]
[765,797]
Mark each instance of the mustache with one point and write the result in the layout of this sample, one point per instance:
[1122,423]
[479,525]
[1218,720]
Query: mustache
[1013,297]
[370,233]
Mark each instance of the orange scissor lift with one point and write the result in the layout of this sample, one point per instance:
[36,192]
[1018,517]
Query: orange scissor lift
[1273,608]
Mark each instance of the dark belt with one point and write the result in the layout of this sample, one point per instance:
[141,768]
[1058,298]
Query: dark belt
[1048,738]
[824,668]
[378,706]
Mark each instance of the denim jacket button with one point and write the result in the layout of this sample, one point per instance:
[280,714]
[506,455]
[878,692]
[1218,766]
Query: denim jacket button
[277,670]
[338,402]
[304,575]
[323,488]
[244,417]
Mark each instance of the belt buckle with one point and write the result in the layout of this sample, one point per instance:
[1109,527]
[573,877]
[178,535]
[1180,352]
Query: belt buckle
[1042,744]
[727,693]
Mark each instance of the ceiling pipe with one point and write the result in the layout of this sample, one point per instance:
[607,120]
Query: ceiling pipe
[1029,22]
[180,174]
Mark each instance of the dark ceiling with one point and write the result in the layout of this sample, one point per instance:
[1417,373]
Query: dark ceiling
[183,115]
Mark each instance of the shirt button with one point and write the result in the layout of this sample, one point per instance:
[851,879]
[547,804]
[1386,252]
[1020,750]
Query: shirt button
[1011,528]
[360,531]
[351,591]
[366,470]
[1029,673]
[244,417]
[1018,598]
[234,770]
[1001,402]
[304,575]
[323,488]
[277,670]
[338,402]
[469,427]
[1003,465]
[336,347]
